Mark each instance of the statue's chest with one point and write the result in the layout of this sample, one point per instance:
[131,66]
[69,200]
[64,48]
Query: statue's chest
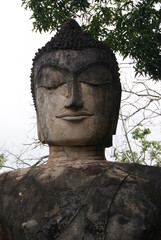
[79,206]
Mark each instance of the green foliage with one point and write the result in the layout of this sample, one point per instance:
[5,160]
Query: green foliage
[129,27]
[149,151]
[2,159]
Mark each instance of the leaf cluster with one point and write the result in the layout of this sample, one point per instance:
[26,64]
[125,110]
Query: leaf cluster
[131,28]
[48,15]
[149,151]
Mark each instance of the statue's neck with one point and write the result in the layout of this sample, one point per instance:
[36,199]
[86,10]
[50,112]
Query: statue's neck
[76,155]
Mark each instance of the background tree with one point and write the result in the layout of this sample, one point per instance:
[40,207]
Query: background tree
[149,152]
[140,110]
[2,160]
[131,28]
[25,156]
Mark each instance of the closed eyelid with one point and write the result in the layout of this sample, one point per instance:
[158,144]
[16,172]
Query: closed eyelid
[93,76]
[54,76]
[50,80]
[50,87]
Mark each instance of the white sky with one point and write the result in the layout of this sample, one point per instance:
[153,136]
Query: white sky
[18,45]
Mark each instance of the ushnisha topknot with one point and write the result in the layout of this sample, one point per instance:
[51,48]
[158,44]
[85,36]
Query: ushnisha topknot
[71,37]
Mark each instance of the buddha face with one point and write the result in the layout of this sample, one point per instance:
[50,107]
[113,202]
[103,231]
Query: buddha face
[73,97]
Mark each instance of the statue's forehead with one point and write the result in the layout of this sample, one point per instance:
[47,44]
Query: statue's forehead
[71,59]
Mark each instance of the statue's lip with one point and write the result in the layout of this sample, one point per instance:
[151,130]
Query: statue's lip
[74,115]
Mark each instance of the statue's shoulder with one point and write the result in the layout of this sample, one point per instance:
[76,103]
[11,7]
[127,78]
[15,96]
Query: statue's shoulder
[24,176]
[139,171]
[147,176]
[142,179]
[10,179]
[144,174]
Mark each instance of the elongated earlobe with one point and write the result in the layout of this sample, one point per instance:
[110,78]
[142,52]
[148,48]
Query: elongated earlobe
[40,132]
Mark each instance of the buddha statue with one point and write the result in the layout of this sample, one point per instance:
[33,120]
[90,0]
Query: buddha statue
[78,194]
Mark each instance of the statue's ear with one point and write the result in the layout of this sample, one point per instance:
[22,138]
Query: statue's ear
[116,99]
[116,106]
[109,141]
[40,132]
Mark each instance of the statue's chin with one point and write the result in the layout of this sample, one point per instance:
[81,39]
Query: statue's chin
[85,133]
[71,142]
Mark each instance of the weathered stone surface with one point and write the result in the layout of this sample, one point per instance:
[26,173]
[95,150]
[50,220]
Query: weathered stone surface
[75,98]
[93,201]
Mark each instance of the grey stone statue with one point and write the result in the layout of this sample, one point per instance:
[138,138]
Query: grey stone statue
[78,194]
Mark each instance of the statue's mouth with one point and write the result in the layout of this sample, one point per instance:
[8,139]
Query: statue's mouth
[72,116]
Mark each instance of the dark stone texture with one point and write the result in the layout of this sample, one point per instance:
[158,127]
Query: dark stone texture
[102,201]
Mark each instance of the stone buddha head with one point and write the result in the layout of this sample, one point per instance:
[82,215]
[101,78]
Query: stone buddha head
[76,90]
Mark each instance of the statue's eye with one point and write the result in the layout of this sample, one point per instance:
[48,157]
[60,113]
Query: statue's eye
[95,75]
[50,79]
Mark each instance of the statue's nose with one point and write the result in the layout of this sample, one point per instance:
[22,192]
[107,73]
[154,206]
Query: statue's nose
[74,100]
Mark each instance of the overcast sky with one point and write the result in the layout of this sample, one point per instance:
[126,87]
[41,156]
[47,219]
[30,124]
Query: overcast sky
[18,45]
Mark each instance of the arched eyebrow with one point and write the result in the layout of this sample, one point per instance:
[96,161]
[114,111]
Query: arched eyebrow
[76,71]
[83,68]
[52,67]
